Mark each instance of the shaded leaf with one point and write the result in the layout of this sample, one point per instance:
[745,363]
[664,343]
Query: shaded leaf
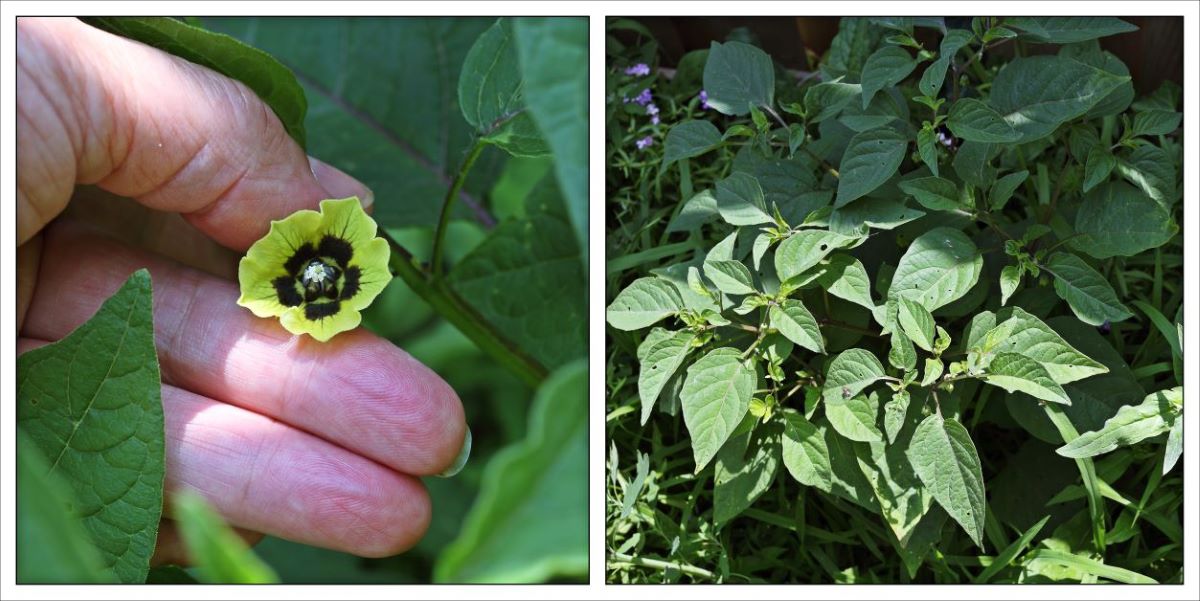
[871,158]
[659,356]
[689,139]
[1116,219]
[1089,295]
[715,396]
[738,76]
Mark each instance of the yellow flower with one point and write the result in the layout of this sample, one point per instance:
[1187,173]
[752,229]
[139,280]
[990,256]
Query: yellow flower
[316,270]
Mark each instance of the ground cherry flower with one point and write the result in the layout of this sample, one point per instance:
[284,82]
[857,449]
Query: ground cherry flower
[316,271]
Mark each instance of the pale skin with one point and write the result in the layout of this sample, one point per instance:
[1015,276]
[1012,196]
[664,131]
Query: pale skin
[283,435]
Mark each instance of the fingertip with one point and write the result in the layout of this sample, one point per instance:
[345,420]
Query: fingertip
[338,184]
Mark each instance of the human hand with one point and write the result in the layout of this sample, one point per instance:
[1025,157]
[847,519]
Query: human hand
[317,443]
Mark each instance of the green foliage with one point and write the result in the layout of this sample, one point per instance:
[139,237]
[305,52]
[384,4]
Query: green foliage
[903,327]
[220,555]
[91,404]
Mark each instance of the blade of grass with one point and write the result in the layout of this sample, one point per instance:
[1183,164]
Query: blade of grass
[1087,469]
[1010,552]
[1091,566]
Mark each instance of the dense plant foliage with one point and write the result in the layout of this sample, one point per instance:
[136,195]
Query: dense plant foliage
[909,314]
[471,132]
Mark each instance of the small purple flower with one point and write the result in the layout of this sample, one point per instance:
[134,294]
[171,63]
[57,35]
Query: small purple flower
[645,143]
[704,100]
[652,110]
[644,98]
[638,70]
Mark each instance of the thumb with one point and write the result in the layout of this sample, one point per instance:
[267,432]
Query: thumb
[97,108]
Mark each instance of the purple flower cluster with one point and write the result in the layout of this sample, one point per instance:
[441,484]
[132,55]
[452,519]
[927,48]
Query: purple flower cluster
[645,142]
[652,110]
[704,100]
[638,70]
[643,98]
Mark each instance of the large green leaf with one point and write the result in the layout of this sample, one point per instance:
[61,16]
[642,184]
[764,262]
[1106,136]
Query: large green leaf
[744,469]
[383,96]
[804,249]
[1116,219]
[945,460]
[916,322]
[827,99]
[715,396]
[55,548]
[871,158]
[554,58]
[885,67]
[219,554]
[939,267]
[1027,335]
[740,200]
[794,321]
[971,119]
[490,93]
[903,499]
[805,453]
[846,278]
[1152,170]
[540,480]
[92,404]
[261,72]
[1089,295]
[525,280]
[738,76]
[1132,424]
[688,139]
[1014,372]
[1067,30]
[852,414]
[934,193]
[659,356]
[642,303]
[1036,94]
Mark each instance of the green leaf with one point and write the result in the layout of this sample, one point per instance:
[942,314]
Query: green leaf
[895,412]
[903,499]
[902,355]
[885,67]
[1025,334]
[1151,169]
[1087,566]
[916,322]
[715,396]
[55,548]
[933,371]
[689,139]
[1131,425]
[1005,557]
[1116,219]
[846,278]
[1014,372]
[927,148]
[490,93]
[219,554]
[1003,188]
[1037,94]
[1155,123]
[553,52]
[934,193]
[871,158]
[740,200]
[697,211]
[1090,296]
[541,479]
[1010,278]
[643,303]
[635,488]
[849,49]
[1068,30]
[878,213]
[794,321]
[945,460]
[805,453]
[525,280]
[939,267]
[826,100]
[1174,448]
[971,119]
[804,249]
[738,479]
[730,277]
[272,82]
[355,118]
[1099,164]
[91,402]
[935,74]
[659,356]
[972,163]
[849,412]
[738,76]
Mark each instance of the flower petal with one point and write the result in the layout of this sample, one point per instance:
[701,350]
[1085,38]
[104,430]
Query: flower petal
[346,219]
[295,321]
[371,258]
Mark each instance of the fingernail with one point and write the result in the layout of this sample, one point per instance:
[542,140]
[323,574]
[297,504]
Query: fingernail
[461,461]
[339,185]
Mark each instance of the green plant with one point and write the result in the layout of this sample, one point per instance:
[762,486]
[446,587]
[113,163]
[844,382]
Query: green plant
[471,132]
[914,292]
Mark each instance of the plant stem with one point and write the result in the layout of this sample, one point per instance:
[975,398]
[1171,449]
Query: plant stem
[658,564]
[453,309]
[439,235]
